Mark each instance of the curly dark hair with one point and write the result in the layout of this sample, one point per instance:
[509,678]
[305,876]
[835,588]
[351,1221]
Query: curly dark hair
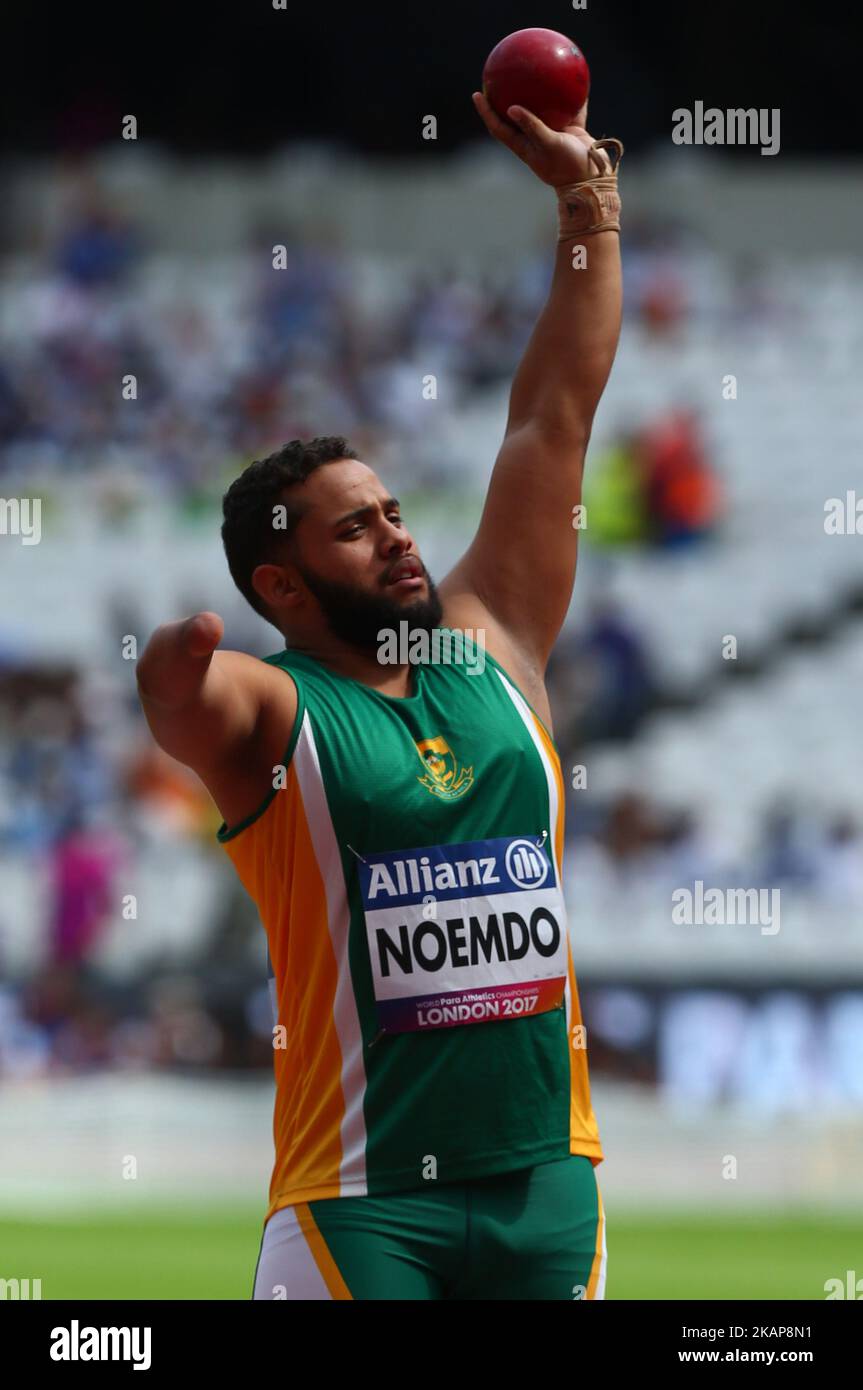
[247,530]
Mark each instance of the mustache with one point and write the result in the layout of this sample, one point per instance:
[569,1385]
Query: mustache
[423,571]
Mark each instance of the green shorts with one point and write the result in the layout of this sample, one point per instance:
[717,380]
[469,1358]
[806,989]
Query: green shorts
[535,1233]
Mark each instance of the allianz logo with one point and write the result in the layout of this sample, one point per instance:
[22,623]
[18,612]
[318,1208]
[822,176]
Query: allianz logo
[524,863]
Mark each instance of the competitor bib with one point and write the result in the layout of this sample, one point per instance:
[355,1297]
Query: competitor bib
[464,933]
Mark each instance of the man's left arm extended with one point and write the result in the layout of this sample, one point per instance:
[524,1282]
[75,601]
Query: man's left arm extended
[521,564]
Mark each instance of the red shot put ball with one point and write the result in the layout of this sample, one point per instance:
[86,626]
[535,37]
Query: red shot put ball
[541,70]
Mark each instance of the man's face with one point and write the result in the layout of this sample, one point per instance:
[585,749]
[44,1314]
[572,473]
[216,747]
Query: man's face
[357,558]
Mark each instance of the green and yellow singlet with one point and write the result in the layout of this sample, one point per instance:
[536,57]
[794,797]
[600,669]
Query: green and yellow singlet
[408,877]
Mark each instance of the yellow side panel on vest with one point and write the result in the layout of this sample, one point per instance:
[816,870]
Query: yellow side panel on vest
[276,862]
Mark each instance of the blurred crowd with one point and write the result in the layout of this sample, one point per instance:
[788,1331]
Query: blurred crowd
[629,840]
[226,363]
[227,371]
[111,364]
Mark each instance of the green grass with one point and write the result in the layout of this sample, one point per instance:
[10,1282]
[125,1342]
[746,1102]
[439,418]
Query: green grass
[203,1254]
[211,1254]
[782,1256]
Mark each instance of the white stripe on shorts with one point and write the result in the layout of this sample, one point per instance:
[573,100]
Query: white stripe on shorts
[287,1269]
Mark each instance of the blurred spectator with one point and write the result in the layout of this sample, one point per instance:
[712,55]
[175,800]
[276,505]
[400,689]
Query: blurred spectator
[653,484]
[614,496]
[838,863]
[24,1047]
[52,766]
[614,674]
[786,852]
[168,796]
[97,246]
[680,488]
[630,831]
[655,286]
[84,860]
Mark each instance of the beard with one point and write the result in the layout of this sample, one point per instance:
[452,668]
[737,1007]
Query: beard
[357,617]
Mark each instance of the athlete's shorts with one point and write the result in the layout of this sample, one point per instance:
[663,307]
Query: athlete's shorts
[538,1233]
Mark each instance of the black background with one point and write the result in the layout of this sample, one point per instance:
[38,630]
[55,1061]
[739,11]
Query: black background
[243,78]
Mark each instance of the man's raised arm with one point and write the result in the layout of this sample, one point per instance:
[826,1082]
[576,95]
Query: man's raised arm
[521,564]
[567,360]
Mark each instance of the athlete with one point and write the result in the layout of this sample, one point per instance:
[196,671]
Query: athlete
[399,824]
